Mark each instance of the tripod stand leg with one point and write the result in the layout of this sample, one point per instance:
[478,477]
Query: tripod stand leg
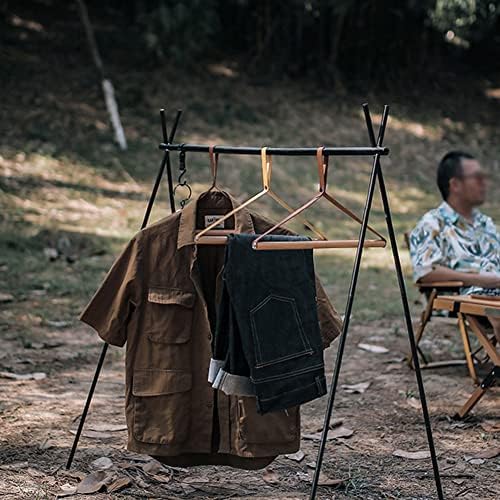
[345,327]
[87,404]
[165,162]
[409,327]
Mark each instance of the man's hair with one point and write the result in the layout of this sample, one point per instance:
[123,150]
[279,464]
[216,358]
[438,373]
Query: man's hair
[450,166]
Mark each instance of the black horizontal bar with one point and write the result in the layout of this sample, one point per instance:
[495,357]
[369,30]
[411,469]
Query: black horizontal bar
[247,150]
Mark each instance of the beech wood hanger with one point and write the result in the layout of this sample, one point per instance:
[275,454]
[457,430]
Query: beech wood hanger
[212,236]
[258,244]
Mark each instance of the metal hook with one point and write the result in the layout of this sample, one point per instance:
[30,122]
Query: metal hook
[180,181]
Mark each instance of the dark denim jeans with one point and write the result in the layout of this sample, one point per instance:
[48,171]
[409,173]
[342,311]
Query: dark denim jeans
[267,341]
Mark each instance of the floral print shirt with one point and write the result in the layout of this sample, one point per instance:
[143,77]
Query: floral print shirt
[444,237]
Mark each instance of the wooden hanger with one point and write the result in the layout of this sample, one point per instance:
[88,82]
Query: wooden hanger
[212,236]
[258,244]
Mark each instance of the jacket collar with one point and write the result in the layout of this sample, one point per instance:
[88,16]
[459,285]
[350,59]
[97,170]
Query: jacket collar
[206,200]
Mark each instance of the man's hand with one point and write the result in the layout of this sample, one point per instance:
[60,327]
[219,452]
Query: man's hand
[441,273]
[489,280]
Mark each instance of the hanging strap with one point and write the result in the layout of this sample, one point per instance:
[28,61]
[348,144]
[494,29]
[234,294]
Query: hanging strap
[214,163]
[267,168]
[322,168]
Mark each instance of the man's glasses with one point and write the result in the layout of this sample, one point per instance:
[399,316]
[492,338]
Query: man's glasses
[477,176]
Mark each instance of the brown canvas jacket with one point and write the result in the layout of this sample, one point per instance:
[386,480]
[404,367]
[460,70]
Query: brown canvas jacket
[159,298]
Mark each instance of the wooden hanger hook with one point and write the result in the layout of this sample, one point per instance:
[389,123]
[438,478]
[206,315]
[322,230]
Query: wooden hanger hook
[322,168]
[267,167]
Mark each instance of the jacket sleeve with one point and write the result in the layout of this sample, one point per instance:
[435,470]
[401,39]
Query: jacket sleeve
[330,323]
[115,301]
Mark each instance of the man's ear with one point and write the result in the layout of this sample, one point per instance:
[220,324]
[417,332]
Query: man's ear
[454,184]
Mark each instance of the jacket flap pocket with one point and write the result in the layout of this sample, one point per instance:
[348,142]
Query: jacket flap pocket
[163,295]
[160,382]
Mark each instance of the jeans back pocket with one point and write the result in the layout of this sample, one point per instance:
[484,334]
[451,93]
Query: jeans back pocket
[277,330]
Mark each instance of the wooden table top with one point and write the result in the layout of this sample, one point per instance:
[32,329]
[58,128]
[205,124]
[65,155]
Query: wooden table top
[478,305]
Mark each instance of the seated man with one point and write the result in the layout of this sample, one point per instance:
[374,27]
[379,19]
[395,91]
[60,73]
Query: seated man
[455,241]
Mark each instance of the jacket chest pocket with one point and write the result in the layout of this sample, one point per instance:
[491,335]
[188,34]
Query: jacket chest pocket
[169,315]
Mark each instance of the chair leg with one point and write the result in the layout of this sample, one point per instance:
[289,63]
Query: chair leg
[488,346]
[424,319]
[467,351]
[478,393]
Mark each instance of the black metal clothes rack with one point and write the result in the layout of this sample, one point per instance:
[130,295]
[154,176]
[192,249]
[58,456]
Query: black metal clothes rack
[376,150]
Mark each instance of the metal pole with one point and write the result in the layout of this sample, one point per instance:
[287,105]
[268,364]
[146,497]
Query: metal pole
[143,225]
[87,404]
[406,308]
[347,317]
[249,150]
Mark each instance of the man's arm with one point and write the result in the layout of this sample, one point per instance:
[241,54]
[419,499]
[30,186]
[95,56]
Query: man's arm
[441,273]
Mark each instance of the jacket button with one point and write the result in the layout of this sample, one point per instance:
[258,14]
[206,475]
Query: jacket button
[209,336]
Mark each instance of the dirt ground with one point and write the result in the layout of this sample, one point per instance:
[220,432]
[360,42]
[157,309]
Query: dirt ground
[38,419]
[66,190]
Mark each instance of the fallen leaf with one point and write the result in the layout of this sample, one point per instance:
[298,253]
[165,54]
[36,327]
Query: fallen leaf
[327,481]
[161,478]
[476,461]
[6,297]
[489,426]
[93,483]
[107,427]
[489,453]
[102,463]
[125,465]
[314,437]
[74,473]
[335,423]
[393,367]
[412,455]
[414,403]
[296,457]
[157,471]
[270,476]
[93,434]
[47,444]
[50,481]
[118,484]
[340,432]
[194,480]
[152,467]
[57,324]
[356,388]
[24,376]
[15,466]
[373,348]
[67,490]
[35,472]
